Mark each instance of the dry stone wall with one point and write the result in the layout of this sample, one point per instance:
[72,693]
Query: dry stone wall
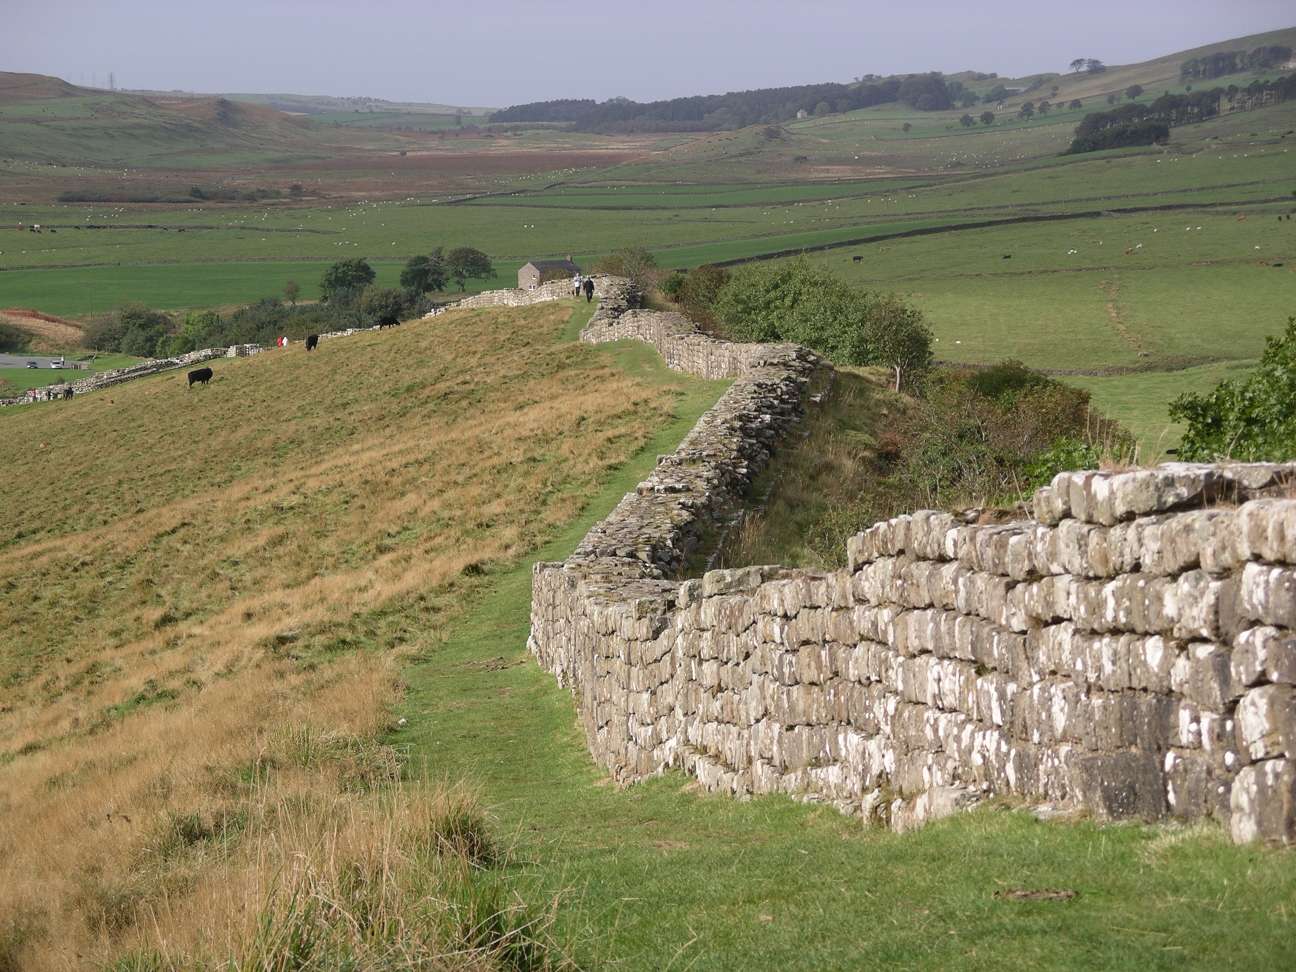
[1128,651]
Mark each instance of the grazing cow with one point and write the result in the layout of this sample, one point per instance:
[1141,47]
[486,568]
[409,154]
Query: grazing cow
[1007,256]
[312,342]
[67,393]
[200,375]
[857,259]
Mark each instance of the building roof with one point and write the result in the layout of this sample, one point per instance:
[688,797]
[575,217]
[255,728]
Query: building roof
[554,265]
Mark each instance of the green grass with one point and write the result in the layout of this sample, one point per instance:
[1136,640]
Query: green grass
[1140,402]
[171,287]
[24,378]
[658,875]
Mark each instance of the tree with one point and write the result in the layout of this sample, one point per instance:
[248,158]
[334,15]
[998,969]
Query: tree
[987,118]
[1094,66]
[1250,419]
[1078,64]
[1133,91]
[1076,103]
[967,99]
[463,263]
[346,279]
[925,92]
[292,290]
[898,337]
[1044,107]
[424,273]
[967,121]
[382,305]
[635,264]
[906,127]
[1027,110]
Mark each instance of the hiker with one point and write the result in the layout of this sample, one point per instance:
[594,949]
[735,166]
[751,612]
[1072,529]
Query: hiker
[576,285]
[589,289]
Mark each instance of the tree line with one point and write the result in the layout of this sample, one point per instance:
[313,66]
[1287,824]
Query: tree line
[1220,63]
[738,109]
[349,298]
[1146,124]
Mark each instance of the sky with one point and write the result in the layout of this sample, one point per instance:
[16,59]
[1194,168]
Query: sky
[506,52]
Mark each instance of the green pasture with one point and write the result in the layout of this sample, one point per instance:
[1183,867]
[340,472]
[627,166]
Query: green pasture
[419,121]
[1149,306]
[658,875]
[20,379]
[84,291]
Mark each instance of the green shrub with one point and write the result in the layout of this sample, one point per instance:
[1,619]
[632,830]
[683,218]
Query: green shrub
[1252,419]
[12,339]
[798,302]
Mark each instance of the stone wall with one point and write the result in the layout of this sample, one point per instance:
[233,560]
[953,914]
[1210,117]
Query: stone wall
[554,290]
[1127,652]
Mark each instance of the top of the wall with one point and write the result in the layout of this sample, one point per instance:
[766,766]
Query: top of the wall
[1108,498]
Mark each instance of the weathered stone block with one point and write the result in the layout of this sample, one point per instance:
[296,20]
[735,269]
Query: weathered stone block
[1263,803]
[1120,786]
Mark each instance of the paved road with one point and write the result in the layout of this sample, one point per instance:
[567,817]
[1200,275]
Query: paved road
[20,360]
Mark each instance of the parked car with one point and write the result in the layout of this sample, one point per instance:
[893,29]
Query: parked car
[31,364]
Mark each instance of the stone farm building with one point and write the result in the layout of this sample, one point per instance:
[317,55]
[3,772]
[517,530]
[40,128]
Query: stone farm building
[533,274]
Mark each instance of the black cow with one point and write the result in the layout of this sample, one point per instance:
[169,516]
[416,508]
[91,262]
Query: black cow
[200,375]
[312,342]
[387,322]
[67,393]
[857,259]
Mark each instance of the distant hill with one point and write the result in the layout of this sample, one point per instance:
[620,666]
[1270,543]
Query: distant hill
[300,104]
[47,120]
[772,106]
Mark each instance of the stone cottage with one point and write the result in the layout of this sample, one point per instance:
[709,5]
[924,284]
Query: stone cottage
[533,274]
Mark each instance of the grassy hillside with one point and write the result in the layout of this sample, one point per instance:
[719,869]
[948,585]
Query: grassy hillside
[208,594]
[54,122]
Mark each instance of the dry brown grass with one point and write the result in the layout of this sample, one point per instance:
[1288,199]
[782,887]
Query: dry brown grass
[205,597]
[49,332]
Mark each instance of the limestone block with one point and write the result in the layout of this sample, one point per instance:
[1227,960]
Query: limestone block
[1263,654]
[1265,722]
[1268,594]
[1119,786]
[1267,529]
[1263,803]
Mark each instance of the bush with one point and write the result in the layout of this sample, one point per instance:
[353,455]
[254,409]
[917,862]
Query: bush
[134,330]
[1252,419]
[982,438]
[699,290]
[797,302]
[634,263]
[12,339]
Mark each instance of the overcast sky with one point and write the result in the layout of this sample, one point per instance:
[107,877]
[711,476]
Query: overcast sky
[501,52]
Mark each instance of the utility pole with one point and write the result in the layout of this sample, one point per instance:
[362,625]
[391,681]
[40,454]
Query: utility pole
[112,81]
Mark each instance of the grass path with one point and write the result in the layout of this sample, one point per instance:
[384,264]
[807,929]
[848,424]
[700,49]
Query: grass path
[661,876]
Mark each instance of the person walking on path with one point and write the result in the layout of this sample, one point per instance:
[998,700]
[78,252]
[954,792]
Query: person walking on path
[576,285]
[589,289]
